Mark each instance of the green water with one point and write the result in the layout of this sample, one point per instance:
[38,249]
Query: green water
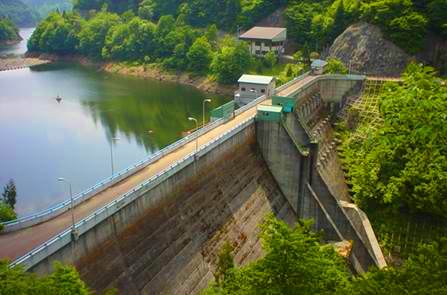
[42,140]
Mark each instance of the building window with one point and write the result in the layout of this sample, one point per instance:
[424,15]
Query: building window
[258,52]
[243,89]
[258,43]
[262,90]
[264,52]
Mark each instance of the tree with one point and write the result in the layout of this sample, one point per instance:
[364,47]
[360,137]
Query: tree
[6,212]
[64,280]
[231,61]
[10,194]
[402,163]
[93,33]
[298,56]
[130,41]
[335,66]
[270,59]
[436,13]
[8,30]
[225,263]
[199,55]
[294,260]
[58,33]
[146,9]
[422,273]
[211,33]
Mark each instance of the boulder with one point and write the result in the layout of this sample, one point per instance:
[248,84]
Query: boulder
[363,48]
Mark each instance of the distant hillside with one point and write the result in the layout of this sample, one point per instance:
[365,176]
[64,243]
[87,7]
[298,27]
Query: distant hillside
[44,7]
[27,13]
[17,11]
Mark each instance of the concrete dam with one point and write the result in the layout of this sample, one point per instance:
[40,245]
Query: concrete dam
[157,228]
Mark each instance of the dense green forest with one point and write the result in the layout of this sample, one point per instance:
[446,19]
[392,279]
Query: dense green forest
[64,280]
[27,13]
[405,22]
[126,37]
[8,31]
[393,149]
[167,32]
[401,161]
[315,23]
[296,260]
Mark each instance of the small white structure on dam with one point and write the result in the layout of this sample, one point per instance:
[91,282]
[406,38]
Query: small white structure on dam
[252,87]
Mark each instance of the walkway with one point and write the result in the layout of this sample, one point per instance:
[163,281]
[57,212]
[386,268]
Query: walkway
[16,244]
[294,87]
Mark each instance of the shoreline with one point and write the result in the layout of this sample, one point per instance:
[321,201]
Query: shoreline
[11,42]
[150,71]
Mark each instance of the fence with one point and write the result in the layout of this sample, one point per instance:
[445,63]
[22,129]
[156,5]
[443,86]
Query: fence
[40,253]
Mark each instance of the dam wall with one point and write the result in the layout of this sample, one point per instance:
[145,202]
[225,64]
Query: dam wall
[166,240]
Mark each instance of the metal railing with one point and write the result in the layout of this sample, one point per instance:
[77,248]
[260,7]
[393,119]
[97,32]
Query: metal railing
[56,243]
[60,208]
[291,82]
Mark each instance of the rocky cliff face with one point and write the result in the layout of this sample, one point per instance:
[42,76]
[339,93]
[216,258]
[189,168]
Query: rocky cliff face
[363,47]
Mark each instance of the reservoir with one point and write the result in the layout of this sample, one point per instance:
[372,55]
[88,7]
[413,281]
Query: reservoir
[101,117]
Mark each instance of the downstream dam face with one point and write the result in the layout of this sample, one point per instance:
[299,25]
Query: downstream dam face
[278,156]
[167,240]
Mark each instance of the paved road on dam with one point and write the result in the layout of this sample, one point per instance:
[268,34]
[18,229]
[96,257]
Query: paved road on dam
[16,244]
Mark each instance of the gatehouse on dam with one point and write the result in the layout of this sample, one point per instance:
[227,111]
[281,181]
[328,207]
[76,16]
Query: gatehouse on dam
[157,227]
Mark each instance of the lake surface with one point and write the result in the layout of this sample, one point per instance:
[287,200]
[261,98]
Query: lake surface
[42,140]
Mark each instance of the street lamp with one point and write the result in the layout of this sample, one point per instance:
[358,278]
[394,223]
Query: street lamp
[71,203]
[197,127]
[111,151]
[203,108]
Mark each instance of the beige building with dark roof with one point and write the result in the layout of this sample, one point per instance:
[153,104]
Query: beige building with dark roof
[265,39]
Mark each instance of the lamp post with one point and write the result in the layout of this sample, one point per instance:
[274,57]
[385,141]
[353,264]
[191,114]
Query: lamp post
[114,139]
[71,202]
[149,134]
[197,127]
[203,110]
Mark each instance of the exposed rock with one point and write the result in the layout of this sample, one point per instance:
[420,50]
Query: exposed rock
[363,47]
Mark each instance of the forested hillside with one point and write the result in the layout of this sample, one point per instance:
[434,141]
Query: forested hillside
[183,34]
[27,13]
[315,23]
[18,12]
[44,7]
[226,14]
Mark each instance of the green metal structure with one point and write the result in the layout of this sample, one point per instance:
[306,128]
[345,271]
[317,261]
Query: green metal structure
[224,111]
[288,103]
[269,113]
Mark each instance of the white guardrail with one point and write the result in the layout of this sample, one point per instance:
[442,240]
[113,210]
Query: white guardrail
[60,208]
[38,254]
[59,241]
